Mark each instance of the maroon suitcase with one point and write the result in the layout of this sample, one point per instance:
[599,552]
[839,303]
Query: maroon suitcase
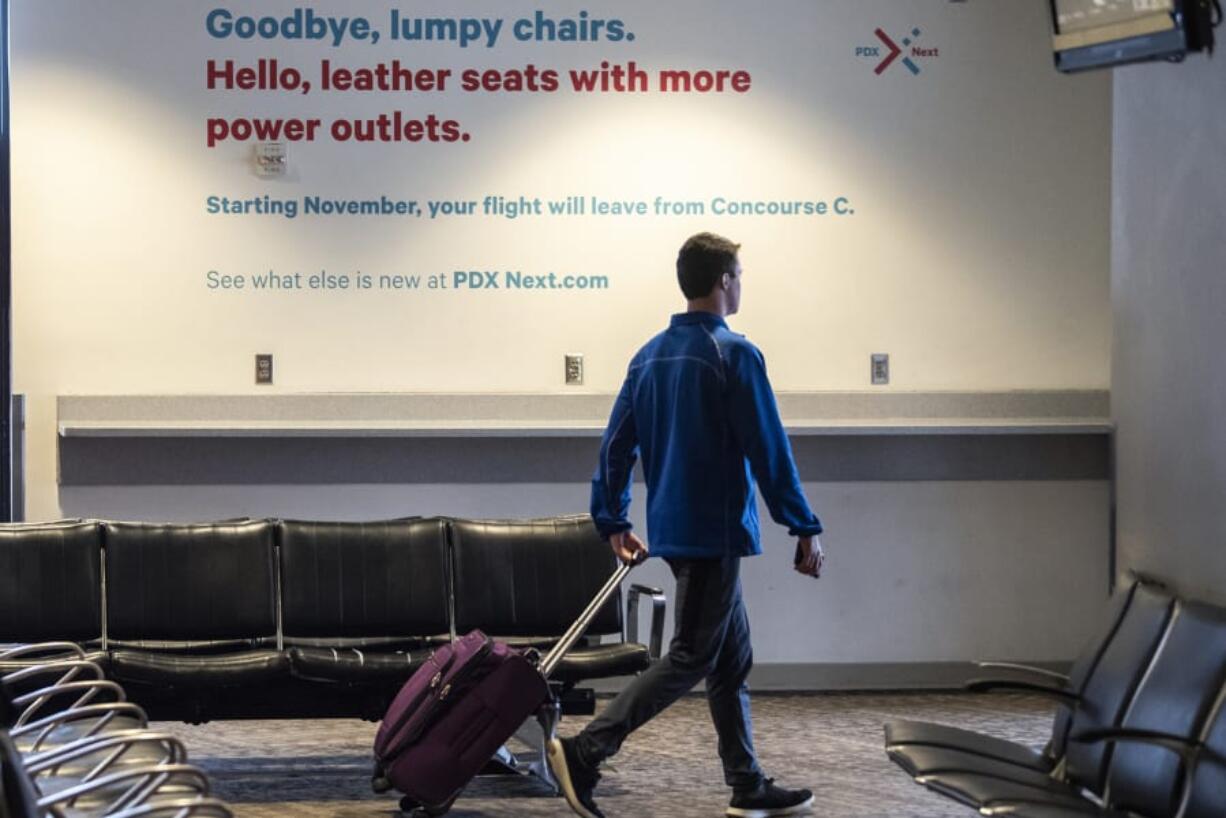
[464,703]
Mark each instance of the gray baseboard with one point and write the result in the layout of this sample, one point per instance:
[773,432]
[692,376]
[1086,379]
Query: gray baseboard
[818,676]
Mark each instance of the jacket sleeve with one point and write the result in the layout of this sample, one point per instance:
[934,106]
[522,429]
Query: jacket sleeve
[754,416]
[619,450]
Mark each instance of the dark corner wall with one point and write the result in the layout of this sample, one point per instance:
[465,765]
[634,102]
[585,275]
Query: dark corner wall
[1168,390]
[6,290]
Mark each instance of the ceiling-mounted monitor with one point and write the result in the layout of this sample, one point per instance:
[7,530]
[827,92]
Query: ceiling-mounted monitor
[1103,33]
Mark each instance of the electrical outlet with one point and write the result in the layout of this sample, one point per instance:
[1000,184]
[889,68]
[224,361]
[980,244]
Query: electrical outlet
[574,370]
[270,158]
[880,369]
[263,369]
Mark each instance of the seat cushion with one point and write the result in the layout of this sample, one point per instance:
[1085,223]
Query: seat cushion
[921,760]
[902,731]
[602,661]
[979,791]
[354,665]
[1049,811]
[240,668]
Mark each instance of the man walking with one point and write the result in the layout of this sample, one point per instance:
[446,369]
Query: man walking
[696,405]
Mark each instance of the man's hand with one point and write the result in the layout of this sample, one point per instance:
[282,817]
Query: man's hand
[628,547]
[809,556]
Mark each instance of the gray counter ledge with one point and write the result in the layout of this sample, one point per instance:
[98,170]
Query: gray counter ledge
[341,415]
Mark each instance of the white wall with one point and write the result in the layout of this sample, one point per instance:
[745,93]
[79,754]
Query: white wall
[976,256]
[1169,298]
[977,251]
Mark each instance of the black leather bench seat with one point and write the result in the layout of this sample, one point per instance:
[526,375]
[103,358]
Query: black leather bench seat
[923,760]
[986,791]
[355,665]
[364,603]
[602,662]
[267,618]
[901,733]
[190,670]
[1142,727]
[1180,690]
[1086,810]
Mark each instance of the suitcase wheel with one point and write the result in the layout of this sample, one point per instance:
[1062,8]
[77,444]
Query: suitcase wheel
[409,806]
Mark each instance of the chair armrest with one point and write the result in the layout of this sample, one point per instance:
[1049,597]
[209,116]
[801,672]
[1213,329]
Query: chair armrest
[179,808]
[90,690]
[1190,750]
[1029,670]
[1059,694]
[120,743]
[69,650]
[659,602]
[67,669]
[145,780]
[104,713]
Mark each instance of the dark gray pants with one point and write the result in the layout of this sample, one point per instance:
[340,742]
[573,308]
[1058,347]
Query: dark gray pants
[711,642]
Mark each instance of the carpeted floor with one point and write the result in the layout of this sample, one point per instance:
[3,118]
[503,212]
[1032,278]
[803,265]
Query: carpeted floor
[831,743]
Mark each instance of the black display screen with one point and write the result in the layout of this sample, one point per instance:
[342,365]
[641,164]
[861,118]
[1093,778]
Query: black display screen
[1102,33]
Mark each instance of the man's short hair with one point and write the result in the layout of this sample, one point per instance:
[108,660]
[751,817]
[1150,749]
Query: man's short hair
[703,259]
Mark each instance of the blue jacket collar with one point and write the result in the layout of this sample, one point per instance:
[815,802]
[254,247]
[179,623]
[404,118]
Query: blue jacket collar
[709,319]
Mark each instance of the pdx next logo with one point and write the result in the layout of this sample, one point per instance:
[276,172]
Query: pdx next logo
[889,51]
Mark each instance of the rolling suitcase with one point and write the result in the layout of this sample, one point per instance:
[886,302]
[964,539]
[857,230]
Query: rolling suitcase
[463,704]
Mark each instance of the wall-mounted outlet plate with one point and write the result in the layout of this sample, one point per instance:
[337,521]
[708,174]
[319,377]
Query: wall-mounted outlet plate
[270,159]
[263,369]
[880,369]
[574,370]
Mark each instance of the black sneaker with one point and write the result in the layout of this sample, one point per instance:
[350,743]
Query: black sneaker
[768,800]
[576,779]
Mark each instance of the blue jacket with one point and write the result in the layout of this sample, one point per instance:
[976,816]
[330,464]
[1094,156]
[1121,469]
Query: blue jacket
[698,408]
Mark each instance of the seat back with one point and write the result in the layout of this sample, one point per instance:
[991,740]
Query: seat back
[531,578]
[1087,662]
[1176,697]
[1115,679]
[17,796]
[354,584]
[190,585]
[8,711]
[1206,797]
[51,582]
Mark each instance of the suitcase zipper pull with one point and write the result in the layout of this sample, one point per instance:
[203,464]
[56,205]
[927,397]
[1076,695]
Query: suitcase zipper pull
[438,677]
[442,695]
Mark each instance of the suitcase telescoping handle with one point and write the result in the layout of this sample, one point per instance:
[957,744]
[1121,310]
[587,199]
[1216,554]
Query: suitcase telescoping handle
[589,613]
